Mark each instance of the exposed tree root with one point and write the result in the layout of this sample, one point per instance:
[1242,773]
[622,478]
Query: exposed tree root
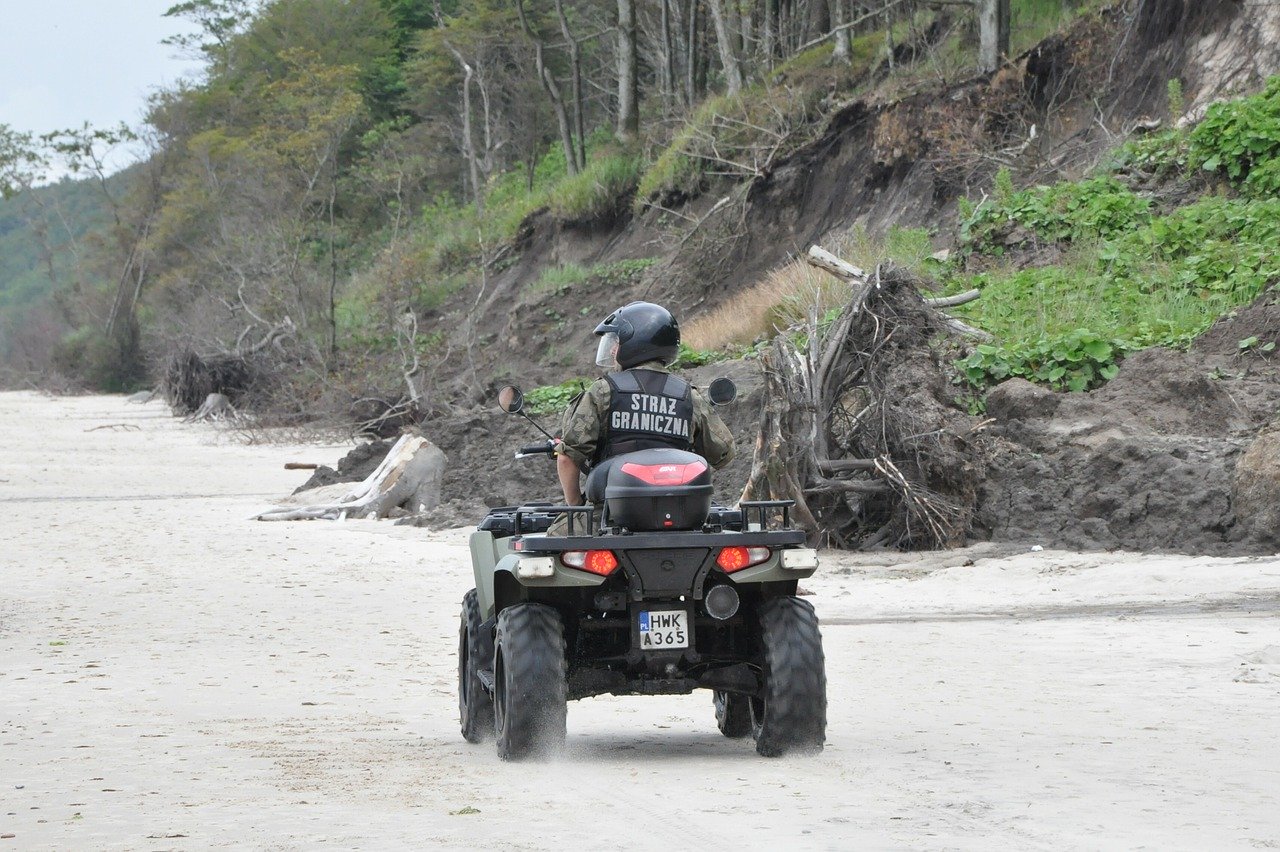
[859,426]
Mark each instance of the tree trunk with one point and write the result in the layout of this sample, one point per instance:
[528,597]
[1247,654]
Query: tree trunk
[843,51]
[668,58]
[575,63]
[769,33]
[552,88]
[468,141]
[993,34]
[691,56]
[628,86]
[726,40]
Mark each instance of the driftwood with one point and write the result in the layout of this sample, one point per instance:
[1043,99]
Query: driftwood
[411,473]
[123,427]
[858,425]
[953,301]
[216,406]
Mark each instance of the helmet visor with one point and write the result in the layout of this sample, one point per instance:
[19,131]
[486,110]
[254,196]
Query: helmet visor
[605,352]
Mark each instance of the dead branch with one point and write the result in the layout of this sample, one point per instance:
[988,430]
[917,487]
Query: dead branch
[824,259]
[953,301]
[965,328]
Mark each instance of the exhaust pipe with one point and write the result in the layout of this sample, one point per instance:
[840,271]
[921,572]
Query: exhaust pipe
[721,602]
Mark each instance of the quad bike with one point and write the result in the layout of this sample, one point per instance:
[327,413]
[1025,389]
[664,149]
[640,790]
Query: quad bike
[653,592]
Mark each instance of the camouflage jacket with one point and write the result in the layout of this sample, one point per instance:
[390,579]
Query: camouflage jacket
[586,424]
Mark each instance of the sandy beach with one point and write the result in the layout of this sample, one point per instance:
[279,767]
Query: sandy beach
[176,676]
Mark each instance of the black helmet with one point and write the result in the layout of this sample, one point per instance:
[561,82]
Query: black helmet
[643,332]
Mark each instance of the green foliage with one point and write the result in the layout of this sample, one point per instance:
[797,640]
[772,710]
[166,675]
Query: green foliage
[552,399]
[599,191]
[104,363]
[1176,99]
[907,247]
[1160,154]
[1099,207]
[690,357]
[1131,278]
[1078,360]
[557,279]
[1003,186]
[1033,20]
[1237,137]
[1161,284]
[1253,344]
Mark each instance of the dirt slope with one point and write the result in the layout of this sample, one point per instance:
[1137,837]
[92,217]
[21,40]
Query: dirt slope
[900,155]
[1149,460]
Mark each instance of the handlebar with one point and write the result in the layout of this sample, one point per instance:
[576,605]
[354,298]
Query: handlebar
[545,448]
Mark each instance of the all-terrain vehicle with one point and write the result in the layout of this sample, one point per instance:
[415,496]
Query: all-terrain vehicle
[652,592]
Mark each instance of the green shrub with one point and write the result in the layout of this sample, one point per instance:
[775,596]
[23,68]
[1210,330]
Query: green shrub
[690,357]
[1077,361]
[553,399]
[102,363]
[1158,285]
[1065,213]
[1237,136]
[1161,154]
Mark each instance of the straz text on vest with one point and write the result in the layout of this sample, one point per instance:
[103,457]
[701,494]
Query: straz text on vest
[650,413]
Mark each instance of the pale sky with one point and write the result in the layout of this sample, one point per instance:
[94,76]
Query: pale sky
[65,62]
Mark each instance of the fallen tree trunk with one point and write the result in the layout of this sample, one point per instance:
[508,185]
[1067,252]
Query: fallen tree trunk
[410,474]
[859,426]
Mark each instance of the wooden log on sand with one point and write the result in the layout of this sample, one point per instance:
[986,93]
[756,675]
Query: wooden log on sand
[411,473]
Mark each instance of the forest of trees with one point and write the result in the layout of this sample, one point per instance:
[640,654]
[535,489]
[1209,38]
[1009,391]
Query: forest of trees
[342,167]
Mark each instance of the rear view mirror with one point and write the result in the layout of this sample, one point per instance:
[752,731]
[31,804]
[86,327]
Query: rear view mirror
[722,391]
[511,399]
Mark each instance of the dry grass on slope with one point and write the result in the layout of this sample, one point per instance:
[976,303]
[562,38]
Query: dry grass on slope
[787,294]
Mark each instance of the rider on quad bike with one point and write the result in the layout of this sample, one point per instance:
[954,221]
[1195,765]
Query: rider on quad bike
[640,406]
[648,588]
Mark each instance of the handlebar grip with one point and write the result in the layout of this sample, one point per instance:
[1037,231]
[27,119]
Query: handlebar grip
[537,448]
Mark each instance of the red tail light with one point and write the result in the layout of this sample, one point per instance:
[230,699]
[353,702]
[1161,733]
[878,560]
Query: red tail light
[732,559]
[601,562]
[665,474]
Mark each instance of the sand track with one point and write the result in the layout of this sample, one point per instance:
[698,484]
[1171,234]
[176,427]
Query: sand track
[173,675]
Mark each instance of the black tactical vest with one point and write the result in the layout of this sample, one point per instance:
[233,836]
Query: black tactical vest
[647,410]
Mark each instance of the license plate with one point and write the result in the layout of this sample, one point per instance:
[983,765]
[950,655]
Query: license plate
[664,628]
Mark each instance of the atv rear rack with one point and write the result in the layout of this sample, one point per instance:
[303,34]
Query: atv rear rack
[659,541]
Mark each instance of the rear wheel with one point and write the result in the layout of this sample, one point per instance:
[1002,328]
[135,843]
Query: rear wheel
[475,707]
[733,714]
[529,682]
[792,715]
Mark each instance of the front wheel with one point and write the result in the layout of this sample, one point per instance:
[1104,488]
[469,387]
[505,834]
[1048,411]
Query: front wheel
[792,715]
[529,682]
[475,707]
